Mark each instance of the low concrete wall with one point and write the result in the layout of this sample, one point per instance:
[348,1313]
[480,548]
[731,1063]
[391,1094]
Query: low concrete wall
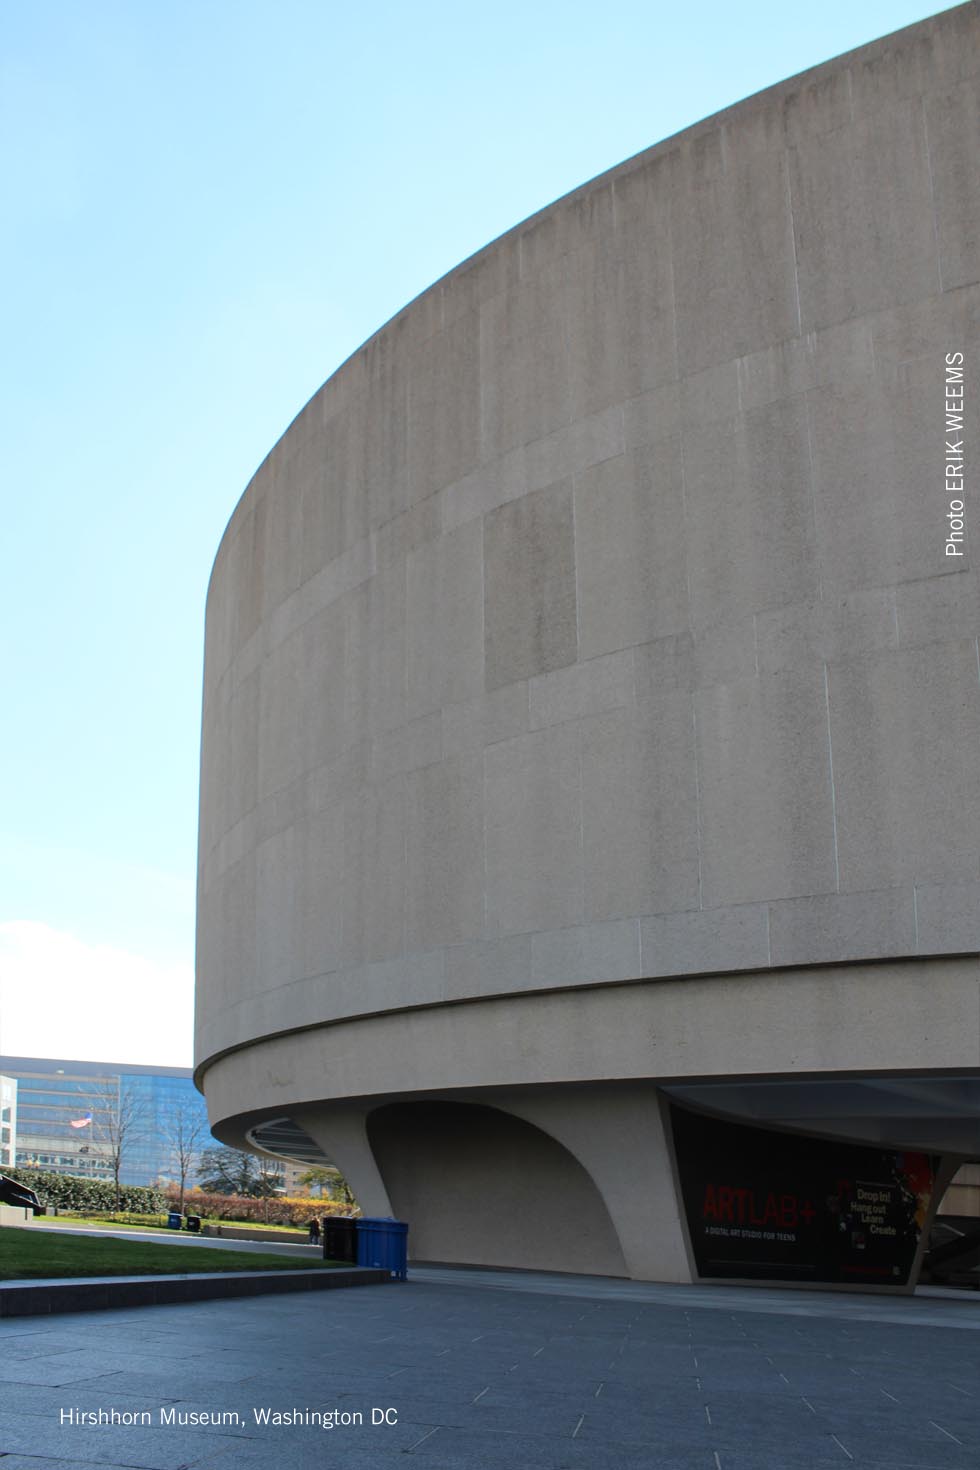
[16,1215]
[39,1298]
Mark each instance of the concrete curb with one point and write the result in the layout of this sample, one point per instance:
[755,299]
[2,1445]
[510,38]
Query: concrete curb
[102,1293]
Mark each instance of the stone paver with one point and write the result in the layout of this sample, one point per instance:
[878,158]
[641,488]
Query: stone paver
[484,1369]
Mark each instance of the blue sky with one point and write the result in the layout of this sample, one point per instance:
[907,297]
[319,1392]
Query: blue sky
[204,209]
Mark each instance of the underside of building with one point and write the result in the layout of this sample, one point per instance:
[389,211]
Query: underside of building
[590,832]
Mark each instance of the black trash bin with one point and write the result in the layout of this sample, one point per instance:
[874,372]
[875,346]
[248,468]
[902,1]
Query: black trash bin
[193,1223]
[339,1236]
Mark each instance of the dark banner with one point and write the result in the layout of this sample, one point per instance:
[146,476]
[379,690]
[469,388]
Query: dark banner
[784,1207]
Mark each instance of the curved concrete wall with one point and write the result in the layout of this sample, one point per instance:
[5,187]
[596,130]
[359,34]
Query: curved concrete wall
[466,1155]
[593,624]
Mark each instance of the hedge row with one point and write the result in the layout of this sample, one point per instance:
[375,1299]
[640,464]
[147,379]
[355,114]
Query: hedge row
[87,1196]
[66,1192]
[276,1211]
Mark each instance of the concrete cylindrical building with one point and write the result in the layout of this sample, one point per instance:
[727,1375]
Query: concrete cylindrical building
[591,712]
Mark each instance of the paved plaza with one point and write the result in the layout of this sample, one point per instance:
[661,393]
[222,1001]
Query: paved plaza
[490,1369]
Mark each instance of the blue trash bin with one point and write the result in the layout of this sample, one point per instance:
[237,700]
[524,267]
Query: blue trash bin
[174,1220]
[384,1243]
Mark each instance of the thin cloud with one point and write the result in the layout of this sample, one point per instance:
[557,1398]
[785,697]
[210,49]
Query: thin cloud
[61,996]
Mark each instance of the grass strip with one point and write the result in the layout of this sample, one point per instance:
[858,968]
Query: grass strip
[26,1255]
[99,1222]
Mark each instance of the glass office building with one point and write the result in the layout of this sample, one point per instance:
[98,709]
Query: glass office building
[8,1121]
[69,1114]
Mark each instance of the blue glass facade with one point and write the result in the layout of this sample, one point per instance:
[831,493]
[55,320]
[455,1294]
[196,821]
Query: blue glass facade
[152,1105]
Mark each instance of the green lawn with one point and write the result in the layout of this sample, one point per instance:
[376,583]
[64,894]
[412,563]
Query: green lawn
[27,1253]
[78,1222]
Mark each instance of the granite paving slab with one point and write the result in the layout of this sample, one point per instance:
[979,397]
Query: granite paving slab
[474,1372]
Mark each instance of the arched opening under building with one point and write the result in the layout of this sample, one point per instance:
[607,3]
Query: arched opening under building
[482,1187]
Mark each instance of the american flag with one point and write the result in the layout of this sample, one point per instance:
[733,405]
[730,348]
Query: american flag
[81,1122]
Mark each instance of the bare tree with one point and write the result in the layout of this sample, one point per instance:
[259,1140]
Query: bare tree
[184,1130]
[118,1119]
